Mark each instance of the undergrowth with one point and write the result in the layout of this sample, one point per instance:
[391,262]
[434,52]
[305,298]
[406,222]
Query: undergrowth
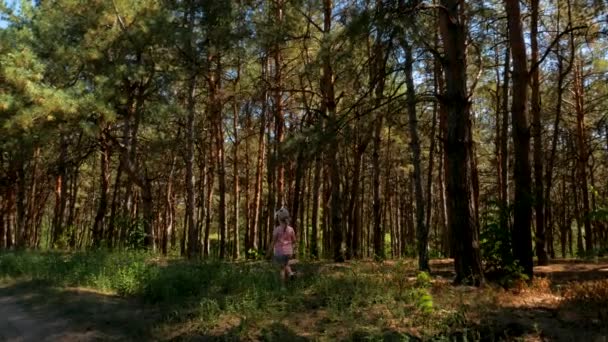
[206,293]
[352,301]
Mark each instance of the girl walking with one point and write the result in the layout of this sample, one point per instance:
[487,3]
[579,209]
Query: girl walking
[283,242]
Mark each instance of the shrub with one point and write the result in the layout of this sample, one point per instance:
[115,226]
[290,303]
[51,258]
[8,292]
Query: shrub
[495,244]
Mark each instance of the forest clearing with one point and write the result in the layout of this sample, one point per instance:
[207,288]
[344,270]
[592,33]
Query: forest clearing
[304,170]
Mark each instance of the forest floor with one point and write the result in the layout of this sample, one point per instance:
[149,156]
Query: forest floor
[567,301]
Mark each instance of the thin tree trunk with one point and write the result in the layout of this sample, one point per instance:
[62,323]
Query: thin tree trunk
[297,193]
[148,211]
[168,219]
[565,225]
[580,250]
[10,217]
[214,80]
[558,112]
[190,181]
[3,217]
[521,233]
[582,153]
[535,99]
[104,190]
[352,211]
[72,210]
[31,201]
[112,238]
[329,107]
[429,181]
[504,145]
[246,190]
[422,232]
[278,109]
[209,203]
[60,195]
[20,231]
[235,182]
[314,235]
[254,235]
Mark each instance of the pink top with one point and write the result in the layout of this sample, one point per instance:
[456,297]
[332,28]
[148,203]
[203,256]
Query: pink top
[285,239]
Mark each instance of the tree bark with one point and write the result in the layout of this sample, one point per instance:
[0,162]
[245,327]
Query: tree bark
[60,194]
[191,226]
[521,234]
[504,146]
[314,235]
[582,153]
[535,99]
[278,109]
[329,107]
[461,207]
[235,181]
[104,190]
[209,202]
[422,232]
[112,238]
[558,112]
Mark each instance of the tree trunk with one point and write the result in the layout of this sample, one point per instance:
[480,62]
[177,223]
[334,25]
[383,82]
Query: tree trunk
[377,202]
[214,81]
[443,171]
[10,217]
[32,201]
[112,238]
[582,153]
[209,202]
[190,181]
[257,194]
[329,107]
[297,193]
[246,185]
[278,109]
[168,212]
[3,218]
[314,235]
[352,211]
[422,232]
[104,190]
[235,181]
[148,211]
[541,242]
[72,210]
[60,196]
[558,112]
[20,231]
[504,146]
[461,206]
[565,224]
[521,233]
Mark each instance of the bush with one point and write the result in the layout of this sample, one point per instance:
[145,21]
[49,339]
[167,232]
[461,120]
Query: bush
[495,244]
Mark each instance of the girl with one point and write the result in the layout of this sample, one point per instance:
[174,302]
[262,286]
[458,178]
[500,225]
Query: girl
[283,242]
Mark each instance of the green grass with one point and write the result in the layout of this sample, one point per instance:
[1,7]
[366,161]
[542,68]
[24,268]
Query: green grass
[206,295]
[143,297]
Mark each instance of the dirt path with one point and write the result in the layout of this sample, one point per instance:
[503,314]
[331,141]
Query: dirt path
[33,312]
[20,325]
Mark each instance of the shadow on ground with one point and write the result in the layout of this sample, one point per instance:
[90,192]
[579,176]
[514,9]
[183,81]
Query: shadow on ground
[39,312]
